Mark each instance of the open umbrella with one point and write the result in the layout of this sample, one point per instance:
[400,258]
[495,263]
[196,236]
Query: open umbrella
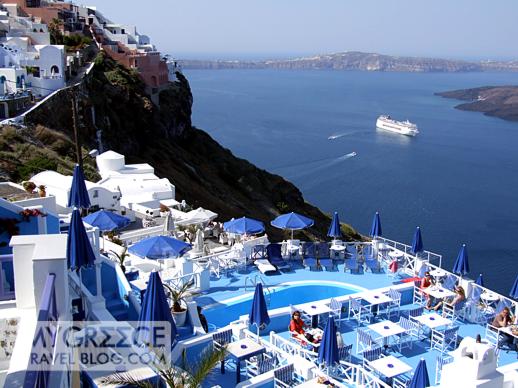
[197,216]
[292,221]
[461,266]
[514,289]
[480,280]
[417,242]
[420,378]
[159,247]
[78,196]
[106,221]
[334,229]
[376,226]
[244,225]
[154,311]
[328,350]
[79,250]
[259,313]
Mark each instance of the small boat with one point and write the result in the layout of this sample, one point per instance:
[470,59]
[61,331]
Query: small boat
[332,137]
[387,123]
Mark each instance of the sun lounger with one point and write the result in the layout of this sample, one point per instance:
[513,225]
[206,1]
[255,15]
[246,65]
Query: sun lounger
[309,256]
[274,256]
[265,266]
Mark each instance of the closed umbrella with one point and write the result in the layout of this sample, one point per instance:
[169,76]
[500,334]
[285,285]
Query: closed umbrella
[461,266]
[292,221]
[334,229]
[417,242]
[480,280]
[78,196]
[154,311]
[106,221]
[79,250]
[514,289]
[159,247]
[376,226]
[328,350]
[420,378]
[244,225]
[259,313]
[199,241]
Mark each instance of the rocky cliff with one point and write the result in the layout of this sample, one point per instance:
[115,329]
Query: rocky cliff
[204,173]
[353,60]
[498,101]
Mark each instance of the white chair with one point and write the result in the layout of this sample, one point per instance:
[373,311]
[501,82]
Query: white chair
[258,365]
[364,341]
[285,377]
[371,355]
[359,312]
[419,295]
[453,312]
[395,304]
[410,334]
[442,359]
[442,340]
[336,310]
[492,335]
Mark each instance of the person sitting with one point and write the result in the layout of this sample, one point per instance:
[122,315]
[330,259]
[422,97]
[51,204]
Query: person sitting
[503,319]
[427,281]
[460,295]
[297,330]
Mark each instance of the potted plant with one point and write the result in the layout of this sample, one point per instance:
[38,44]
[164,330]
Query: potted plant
[121,257]
[29,186]
[177,296]
[41,191]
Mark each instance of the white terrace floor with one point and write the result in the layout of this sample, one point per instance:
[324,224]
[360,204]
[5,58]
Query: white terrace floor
[233,284]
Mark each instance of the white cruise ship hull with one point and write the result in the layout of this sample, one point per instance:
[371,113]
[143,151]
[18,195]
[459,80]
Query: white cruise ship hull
[396,127]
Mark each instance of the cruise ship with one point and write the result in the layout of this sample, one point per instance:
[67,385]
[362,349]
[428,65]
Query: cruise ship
[387,123]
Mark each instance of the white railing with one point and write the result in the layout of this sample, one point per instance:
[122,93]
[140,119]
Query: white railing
[292,348]
[428,256]
[134,236]
[191,278]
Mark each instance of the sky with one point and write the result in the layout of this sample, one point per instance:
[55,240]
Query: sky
[225,29]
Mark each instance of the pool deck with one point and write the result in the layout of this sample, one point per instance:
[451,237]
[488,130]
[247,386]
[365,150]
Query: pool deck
[235,284]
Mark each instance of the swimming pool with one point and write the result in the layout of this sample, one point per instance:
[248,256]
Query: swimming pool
[221,314]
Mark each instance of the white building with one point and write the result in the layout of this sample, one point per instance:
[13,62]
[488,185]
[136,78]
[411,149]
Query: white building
[138,184]
[58,185]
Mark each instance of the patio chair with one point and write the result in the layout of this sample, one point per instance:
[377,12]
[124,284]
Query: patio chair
[449,282]
[359,312]
[442,340]
[492,335]
[401,381]
[472,311]
[336,310]
[258,365]
[258,252]
[453,312]
[415,312]
[273,252]
[373,264]
[442,359]
[309,257]
[220,340]
[410,334]
[420,297]
[395,304]
[344,352]
[324,257]
[503,303]
[285,377]
[364,341]
[353,265]
[371,355]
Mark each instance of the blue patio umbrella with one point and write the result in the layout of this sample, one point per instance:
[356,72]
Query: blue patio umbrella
[106,221]
[334,229]
[159,247]
[259,313]
[78,196]
[514,289]
[417,242]
[480,280]
[328,351]
[292,221]
[79,250]
[244,225]
[154,311]
[376,226]
[420,378]
[461,266]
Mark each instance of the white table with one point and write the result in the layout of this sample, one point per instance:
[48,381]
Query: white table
[314,309]
[432,320]
[386,329]
[375,298]
[489,297]
[390,366]
[241,350]
[438,292]
[508,330]
[438,273]
[396,254]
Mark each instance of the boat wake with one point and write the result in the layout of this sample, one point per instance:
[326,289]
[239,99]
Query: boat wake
[310,168]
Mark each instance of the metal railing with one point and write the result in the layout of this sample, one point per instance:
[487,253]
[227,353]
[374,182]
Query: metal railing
[427,256]
[253,283]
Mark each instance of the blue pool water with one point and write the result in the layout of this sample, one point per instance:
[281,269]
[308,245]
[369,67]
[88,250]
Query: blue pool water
[281,296]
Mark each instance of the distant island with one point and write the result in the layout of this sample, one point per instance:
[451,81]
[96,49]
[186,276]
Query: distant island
[498,101]
[354,60]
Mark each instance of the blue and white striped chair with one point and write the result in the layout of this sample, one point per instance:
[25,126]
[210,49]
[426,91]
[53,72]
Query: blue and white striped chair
[371,355]
[449,282]
[364,341]
[410,334]
[394,305]
[359,312]
[220,340]
[260,365]
[453,312]
[344,352]
[285,377]
[336,310]
[442,359]
[419,295]
[415,312]
[442,340]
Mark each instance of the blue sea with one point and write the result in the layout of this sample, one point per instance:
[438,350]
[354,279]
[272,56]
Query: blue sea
[457,180]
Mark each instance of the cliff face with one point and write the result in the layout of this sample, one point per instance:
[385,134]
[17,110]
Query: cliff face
[204,173]
[497,101]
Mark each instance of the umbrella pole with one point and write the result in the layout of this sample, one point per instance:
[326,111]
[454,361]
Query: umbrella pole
[258,338]
[292,234]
